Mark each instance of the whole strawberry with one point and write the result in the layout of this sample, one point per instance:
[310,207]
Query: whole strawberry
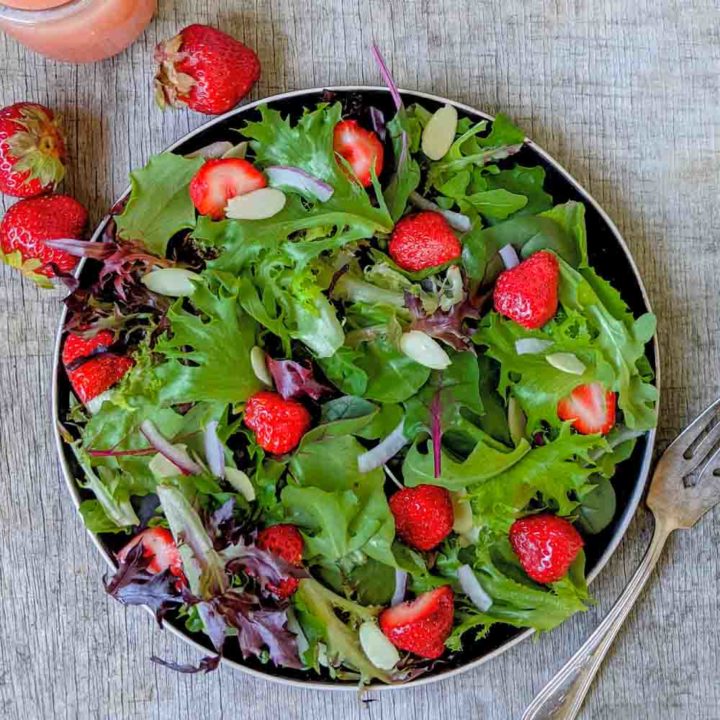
[421,626]
[286,542]
[29,223]
[91,369]
[423,515]
[205,69]
[32,150]
[278,424]
[546,546]
[422,241]
[528,293]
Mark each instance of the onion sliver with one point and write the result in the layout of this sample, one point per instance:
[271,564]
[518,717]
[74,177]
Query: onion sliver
[240,482]
[531,346]
[283,176]
[509,256]
[214,453]
[455,220]
[384,450]
[472,588]
[401,578]
[377,648]
[175,455]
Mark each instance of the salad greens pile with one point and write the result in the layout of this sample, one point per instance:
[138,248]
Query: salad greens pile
[315,289]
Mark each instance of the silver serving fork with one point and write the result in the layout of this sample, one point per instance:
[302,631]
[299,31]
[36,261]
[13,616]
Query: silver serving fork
[685,485]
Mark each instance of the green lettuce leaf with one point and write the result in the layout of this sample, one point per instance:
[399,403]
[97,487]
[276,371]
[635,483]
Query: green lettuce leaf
[159,205]
[217,341]
[517,600]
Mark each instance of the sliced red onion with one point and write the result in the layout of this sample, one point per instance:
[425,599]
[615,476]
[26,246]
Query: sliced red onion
[383,451]
[456,220]
[175,455]
[378,122]
[531,346]
[472,588]
[213,150]
[387,77]
[509,256]
[214,453]
[401,578]
[284,176]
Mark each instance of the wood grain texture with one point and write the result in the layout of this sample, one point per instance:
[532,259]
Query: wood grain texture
[624,93]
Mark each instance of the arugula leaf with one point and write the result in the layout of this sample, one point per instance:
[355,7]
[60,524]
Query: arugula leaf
[495,204]
[217,342]
[159,205]
[522,180]
[404,134]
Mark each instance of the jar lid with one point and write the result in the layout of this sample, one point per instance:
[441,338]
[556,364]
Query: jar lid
[34,4]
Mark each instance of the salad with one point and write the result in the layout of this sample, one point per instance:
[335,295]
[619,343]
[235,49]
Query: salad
[347,392]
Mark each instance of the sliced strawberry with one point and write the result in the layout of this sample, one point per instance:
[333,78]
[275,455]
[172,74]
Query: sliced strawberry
[590,407]
[361,148]
[90,368]
[219,180]
[159,548]
[421,626]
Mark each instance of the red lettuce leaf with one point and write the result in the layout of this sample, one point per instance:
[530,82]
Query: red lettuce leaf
[206,665]
[448,326]
[293,380]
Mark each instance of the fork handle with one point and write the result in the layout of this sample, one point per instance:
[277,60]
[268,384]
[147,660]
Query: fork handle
[562,697]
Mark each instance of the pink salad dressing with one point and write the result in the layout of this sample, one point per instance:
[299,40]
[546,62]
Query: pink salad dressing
[77,31]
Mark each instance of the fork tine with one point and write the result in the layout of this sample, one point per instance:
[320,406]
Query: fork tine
[698,432]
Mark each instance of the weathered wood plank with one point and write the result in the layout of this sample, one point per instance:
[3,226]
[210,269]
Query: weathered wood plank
[625,94]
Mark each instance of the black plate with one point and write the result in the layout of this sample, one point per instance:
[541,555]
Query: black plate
[608,253]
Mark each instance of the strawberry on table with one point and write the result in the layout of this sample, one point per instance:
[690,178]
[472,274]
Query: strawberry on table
[160,549]
[219,180]
[546,545]
[361,148]
[590,407]
[422,241]
[91,370]
[29,223]
[204,69]
[278,424]
[528,293]
[286,542]
[423,515]
[421,626]
[32,150]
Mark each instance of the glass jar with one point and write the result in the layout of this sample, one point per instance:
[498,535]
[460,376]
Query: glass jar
[76,31]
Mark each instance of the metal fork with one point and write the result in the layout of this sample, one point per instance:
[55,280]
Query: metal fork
[685,485]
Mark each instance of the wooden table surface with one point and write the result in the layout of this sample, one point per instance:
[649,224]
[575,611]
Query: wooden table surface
[624,93]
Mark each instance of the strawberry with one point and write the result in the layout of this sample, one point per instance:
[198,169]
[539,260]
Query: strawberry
[590,407]
[32,150]
[278,424]
[205,69]
[528,293]
[218,180]
[361,148]
[423,240]
[29,223]
[286,542]
[546,545]
[91,370]
[160,548]
[423,515]
[421,626]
